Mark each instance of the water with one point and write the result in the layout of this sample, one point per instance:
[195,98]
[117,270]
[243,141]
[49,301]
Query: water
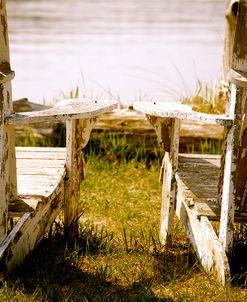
[132,49]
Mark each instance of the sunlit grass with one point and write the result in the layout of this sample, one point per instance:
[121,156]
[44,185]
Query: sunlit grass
[117,256]
[208,99]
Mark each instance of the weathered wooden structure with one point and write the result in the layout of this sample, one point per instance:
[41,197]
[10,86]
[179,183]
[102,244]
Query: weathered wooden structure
[35,183]
[201,188]
[231,17]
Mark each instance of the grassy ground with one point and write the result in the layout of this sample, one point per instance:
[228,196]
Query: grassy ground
[118,256]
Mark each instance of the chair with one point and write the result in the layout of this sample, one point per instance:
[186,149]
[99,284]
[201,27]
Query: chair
[202,188]
[36,183]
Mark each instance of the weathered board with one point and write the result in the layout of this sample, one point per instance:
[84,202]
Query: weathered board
[39,170]
[63,111]
[181,112]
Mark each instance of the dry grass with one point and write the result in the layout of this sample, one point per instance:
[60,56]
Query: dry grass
[118,256]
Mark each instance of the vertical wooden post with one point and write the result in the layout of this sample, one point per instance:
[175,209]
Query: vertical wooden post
[235,175]
[167,131]
[229,178]
[8,187]
[231,17]
[77,136]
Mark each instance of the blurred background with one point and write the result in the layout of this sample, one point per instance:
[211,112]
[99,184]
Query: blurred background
[129,50]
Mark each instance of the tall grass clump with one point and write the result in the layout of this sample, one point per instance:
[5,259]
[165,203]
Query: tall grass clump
[208,99]
[122,148]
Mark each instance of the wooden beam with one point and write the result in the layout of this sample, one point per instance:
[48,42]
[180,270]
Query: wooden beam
[8,186]
[167,131]
[231,17]
[77,136]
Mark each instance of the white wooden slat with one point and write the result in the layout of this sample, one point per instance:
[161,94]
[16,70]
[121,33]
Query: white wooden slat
[64,110]
[40,170]
[38,163]
[40,153]
[26,185]
[39,176]
[41,149]
[180,111]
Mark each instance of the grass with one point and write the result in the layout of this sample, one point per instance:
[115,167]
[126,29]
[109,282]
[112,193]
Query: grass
[118,256]
[208,99]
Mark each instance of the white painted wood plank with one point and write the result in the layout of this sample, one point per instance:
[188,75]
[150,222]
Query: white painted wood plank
[64,110]
[29,231]
[180,111]
[37,185]
[40,149]
[39,170]
[230,168]
[169,185]
[38,163]
[204,240]
[41,153]
[41,174]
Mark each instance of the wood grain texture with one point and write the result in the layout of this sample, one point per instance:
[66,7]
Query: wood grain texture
[180,111]
[39,170]
[205,242]
[8,187]
[239,59]
[63,111]
[230,27]
[77,136]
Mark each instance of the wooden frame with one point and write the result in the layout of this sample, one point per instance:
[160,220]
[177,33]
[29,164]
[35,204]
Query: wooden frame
[192,183]
[36,183]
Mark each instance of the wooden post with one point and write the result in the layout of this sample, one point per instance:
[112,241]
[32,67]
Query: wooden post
[231,17]
[77,136]
[8,187]
[235,176]
[167,131]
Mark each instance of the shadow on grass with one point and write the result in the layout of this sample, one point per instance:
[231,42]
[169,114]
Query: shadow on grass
[54,272]
[51,273]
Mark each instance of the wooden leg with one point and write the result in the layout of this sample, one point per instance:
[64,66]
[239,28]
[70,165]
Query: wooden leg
[3,183]
[168,200]
[8,188]
[227,204]
[205,242]
[167,131]
[77,136]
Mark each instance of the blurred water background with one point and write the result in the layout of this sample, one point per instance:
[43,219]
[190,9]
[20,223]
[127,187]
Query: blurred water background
[131,50]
